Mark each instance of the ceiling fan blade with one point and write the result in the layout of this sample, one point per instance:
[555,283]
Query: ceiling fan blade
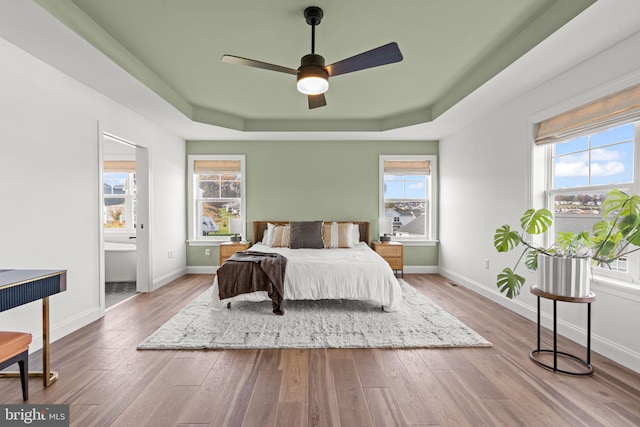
[387,54]
[316,101]
[230,59]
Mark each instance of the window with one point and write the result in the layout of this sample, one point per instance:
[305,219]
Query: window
[583,170]
[216,189]
[119,195]
[408,196]
[583,153]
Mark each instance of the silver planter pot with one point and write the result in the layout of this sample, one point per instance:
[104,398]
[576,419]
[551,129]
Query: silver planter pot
[570,277]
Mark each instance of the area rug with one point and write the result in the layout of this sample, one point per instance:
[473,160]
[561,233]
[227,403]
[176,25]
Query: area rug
[420,323]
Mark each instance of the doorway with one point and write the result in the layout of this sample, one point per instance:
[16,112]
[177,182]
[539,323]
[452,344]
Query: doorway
[124,228]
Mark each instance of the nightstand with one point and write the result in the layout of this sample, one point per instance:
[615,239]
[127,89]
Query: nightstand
[392,252]
[229,248]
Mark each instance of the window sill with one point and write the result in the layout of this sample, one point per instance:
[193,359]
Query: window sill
[622,288]
[205,242]
[416,242]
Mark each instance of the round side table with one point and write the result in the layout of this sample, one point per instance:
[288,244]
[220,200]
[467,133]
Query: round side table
[534,353]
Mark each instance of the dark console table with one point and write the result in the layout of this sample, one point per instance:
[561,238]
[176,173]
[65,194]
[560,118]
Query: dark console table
[18,287]
[535,353]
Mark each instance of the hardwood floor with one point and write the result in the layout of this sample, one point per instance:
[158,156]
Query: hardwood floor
[107,381]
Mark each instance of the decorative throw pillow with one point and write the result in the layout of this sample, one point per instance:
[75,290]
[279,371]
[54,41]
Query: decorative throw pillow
[327,233]
[337,235]
[306,234]
[344,235]
[281,236]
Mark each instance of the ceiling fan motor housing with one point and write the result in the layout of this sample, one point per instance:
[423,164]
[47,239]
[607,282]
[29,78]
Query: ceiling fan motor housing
[313,78]
[312,65]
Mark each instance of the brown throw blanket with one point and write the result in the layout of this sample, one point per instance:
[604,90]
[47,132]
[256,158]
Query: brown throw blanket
[249,271]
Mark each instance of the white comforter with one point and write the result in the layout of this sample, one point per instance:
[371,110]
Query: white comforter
[357,273]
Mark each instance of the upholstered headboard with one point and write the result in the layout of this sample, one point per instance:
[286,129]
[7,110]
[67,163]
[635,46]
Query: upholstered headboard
[260,226]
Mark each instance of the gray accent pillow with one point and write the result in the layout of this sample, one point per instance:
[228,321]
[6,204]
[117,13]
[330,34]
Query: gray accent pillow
[306,234]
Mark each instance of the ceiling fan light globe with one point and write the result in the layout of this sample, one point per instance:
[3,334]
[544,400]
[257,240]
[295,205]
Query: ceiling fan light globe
[313,85]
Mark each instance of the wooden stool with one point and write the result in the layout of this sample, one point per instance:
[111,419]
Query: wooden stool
[14,348]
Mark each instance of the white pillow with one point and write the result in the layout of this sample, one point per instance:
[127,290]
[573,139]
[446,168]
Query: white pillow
[355,235]
[270,228]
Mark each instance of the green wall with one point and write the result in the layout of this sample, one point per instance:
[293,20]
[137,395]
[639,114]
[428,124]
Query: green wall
[308,180]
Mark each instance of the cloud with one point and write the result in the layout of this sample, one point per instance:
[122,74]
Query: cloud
[603,163]
[569,168]
[417,186]
[607,168]
[604,154]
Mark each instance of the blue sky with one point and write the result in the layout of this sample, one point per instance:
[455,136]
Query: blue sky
[609,163]
[405,187]
[115,179]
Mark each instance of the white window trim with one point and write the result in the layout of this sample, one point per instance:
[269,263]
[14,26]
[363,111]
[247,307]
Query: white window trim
[622,284]
[540,176]
[538,180]
[632,276]
[194,239]
[129,212]
[432,206]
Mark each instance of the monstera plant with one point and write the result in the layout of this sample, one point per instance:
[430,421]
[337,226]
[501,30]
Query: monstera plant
[615,236]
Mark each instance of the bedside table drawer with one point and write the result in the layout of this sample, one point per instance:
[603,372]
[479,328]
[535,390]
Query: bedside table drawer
[392,252]
[395,263]
[389,250]
[228,248]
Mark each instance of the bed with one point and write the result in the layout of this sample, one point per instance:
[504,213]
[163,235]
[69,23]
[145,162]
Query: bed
[355,272]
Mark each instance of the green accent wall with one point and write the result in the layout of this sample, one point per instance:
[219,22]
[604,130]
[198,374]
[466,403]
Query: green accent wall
[309,180]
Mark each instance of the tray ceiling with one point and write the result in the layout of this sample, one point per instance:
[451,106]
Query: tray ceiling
[450,48]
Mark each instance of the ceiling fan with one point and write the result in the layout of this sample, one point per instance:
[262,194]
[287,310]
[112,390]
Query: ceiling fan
[313,75]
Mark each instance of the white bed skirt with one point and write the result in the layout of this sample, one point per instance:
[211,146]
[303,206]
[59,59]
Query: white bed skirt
[357,273]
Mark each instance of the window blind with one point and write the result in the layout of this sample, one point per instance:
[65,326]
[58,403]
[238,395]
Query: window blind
[125,166]
[407,167]
[216,166]
[610,111]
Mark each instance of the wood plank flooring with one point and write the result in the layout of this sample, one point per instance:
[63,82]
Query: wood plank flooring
[107,381]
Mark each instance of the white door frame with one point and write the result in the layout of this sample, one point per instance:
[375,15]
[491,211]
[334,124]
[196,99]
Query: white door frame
[144,273]
[144,276]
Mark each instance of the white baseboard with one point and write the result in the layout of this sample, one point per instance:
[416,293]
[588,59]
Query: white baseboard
[513,305]
[65,328]
[421,269]
[199,269]
[613,351]
[168,278]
